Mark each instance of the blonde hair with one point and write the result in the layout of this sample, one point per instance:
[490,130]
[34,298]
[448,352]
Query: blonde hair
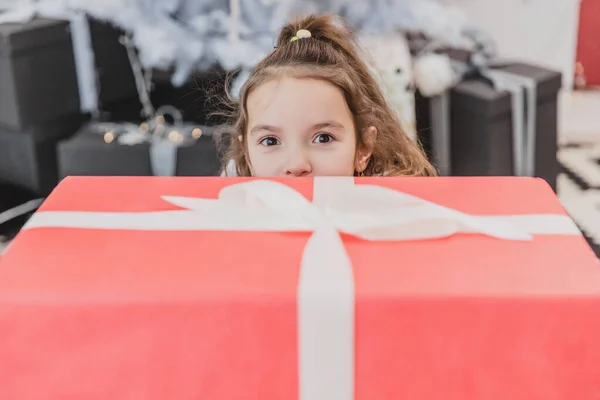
[331,54]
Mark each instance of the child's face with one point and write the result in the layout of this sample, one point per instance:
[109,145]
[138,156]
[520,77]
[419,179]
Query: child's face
[300,127]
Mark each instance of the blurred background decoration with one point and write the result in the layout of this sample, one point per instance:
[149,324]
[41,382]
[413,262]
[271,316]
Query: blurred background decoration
[128,87]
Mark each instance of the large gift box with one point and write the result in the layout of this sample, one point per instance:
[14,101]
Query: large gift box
[325,288]
[493,131]
[90,152]
[28,157]
[39,79]
[37,73]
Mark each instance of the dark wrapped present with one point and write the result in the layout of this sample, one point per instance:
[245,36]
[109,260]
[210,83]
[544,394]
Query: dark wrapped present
[28,158]
[37,73]
[52,68]
[501,121]
[131,150]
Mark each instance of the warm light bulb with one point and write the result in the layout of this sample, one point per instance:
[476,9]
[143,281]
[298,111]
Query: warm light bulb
[174,136]
[160,119]
[109,137]
[196,133]
[144,127]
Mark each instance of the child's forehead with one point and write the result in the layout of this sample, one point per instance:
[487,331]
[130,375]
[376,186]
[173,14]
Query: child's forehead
[292,99]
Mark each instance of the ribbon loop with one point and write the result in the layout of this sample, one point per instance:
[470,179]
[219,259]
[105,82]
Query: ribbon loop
[374,213]
[276,197]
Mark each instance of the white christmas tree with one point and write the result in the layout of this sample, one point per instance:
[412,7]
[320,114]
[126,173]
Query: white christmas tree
[235,34]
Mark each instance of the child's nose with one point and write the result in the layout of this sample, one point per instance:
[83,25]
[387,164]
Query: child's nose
[298,166]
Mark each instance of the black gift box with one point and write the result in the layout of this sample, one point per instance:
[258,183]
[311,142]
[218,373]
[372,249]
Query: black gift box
[28,158]
[37,73]
[88,154]
[481,133]
[38,78]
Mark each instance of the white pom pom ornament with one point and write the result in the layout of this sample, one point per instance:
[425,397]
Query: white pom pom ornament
[433,74]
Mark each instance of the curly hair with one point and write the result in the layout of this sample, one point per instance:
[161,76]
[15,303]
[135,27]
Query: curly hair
[332,55]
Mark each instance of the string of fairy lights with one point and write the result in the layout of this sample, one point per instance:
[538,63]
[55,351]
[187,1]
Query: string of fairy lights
[156,126]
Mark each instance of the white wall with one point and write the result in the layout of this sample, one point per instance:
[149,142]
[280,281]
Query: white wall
[541,32]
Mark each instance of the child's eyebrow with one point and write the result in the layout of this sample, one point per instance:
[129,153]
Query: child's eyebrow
[321,125]
[328,124]
[269,128]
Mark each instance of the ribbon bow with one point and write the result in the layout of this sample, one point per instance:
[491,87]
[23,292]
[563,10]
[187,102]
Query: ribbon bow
[326,283]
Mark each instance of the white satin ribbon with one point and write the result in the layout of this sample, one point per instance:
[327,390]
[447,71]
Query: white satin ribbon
[85,63]
[523,129]
[326,283]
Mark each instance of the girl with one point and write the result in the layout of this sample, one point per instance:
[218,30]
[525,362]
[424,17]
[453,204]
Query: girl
[312,108]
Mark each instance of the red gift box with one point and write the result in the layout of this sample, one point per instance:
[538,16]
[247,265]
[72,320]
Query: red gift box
[325,288]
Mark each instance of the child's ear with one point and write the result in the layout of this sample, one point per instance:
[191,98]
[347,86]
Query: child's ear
[365,149]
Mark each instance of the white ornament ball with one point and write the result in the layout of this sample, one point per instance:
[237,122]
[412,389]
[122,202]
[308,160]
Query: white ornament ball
[433,74]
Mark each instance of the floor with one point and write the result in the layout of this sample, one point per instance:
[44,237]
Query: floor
[579,118]
[579,154]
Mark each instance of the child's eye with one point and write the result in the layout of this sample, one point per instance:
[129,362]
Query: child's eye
[270,141]
[323,138]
